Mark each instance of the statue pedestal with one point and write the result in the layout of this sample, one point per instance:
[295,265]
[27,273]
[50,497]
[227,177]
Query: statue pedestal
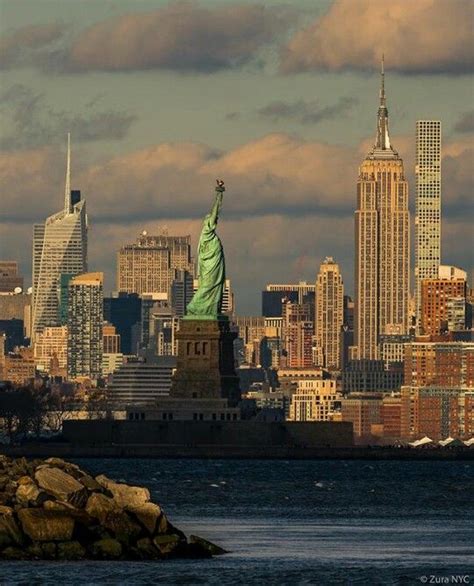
[205,366]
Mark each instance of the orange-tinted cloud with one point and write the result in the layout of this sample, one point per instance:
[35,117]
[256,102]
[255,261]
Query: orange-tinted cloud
[288,203]
[424,36]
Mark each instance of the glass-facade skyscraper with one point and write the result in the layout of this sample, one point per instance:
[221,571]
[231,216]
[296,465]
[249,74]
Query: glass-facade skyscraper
[59,247]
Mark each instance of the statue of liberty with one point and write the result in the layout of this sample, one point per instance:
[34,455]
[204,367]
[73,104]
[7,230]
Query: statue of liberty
[207,301]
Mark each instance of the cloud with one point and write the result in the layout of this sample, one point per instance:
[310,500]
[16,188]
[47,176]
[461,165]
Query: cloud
[465,122]
[29,45]
[306,112]
[181,36]
[34,124]
[278,174]
[288,204]
[426,36]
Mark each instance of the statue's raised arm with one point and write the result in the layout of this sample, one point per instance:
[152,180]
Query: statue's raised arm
[207,301]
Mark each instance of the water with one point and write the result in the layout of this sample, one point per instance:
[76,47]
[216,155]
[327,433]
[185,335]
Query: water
[305,522]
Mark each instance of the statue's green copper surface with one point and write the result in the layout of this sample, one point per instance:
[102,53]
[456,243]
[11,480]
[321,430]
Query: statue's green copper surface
[207,301]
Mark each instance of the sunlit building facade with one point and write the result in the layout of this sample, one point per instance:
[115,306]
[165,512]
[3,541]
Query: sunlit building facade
[382,242]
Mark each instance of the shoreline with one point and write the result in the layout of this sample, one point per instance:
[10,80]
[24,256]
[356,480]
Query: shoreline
[229,452]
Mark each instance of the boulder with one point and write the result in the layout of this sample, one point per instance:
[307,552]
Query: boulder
[70,550]
[10,533]
[90,483]
[147,514]
[210,547]
[166,544]
[146,549]
[122,526]
[45,525]
[79,515]
[61,485]
[14,553]
[98,506]
[27,491]
[123,494]
[107,548]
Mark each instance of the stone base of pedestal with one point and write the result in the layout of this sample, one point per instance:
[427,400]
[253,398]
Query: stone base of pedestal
[205,366]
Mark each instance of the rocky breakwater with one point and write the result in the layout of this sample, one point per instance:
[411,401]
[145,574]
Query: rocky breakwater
[52,509]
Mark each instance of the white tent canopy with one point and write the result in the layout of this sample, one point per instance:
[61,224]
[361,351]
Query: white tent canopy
[424,441]
[451,442]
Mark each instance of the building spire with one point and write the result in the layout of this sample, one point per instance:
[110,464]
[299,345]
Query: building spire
[382,82]
[382,141]
[67,188]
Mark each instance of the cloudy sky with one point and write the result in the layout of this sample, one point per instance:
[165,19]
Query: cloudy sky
[278,99]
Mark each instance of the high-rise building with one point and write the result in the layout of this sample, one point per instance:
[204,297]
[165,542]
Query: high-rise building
[439,364]
[427,206]
[9,277]
[51,343]
[297,335]
[178,246]
[123,310]
[314,400]
[329,313]
[59,246]
[382,242]
[276,294]
[362,376]
[85,322]
[150,264]
[437,412]
[19,366]
[111,340]
[436,295]
[182,291]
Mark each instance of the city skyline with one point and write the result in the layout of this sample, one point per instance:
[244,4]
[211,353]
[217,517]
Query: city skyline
[277,155]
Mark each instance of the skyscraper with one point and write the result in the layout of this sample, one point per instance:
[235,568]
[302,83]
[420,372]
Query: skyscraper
[382,232]
[59,246]
[151,263]
[85,323]
[441,297]
[329,312]
[427,206]
[297,335]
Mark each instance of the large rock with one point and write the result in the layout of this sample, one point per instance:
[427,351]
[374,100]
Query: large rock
[70,550]
[122,526]
[10,533]
[107,548]
[208,546]
[61,485]
[27,491]
[123,494]
[44,525]
[147,514]
[99,506]
[167,544]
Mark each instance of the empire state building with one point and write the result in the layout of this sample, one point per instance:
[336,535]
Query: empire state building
[382,242]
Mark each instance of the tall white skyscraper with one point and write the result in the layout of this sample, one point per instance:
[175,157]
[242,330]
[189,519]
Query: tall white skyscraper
[382,242]
[427,205]
[59,247]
